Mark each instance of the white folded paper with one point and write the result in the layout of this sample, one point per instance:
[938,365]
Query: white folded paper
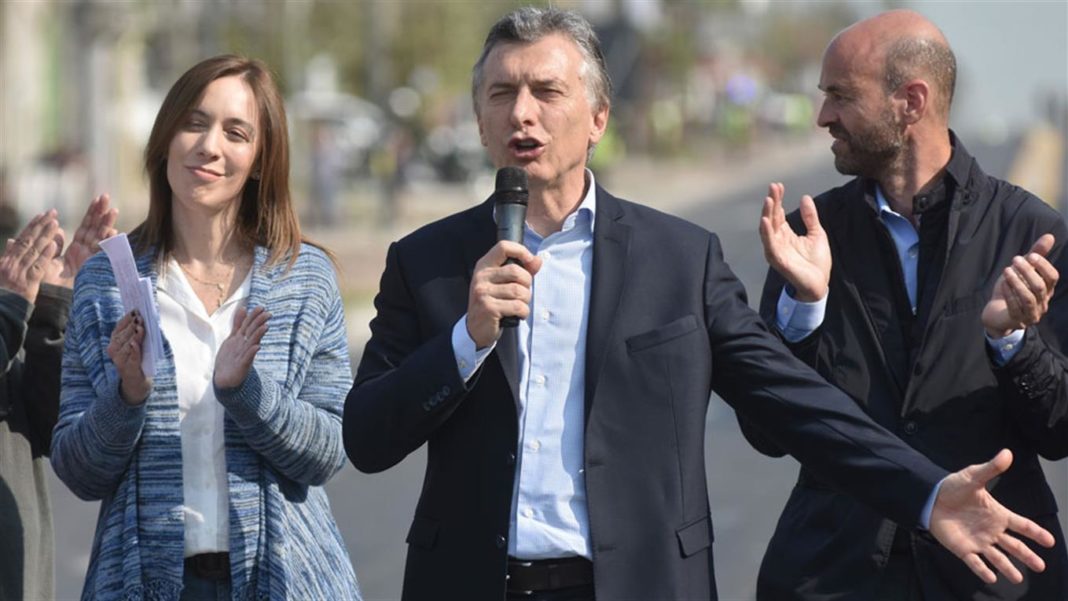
[136,293]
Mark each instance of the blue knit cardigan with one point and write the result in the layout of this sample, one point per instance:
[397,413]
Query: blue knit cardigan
[283,442]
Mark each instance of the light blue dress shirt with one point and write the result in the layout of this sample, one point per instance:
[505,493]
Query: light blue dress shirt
[549,514]
[796,320]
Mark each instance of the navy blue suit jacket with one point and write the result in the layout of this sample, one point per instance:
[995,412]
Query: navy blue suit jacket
[668,325]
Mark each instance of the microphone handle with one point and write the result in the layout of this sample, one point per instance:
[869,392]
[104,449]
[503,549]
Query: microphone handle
[511,217]
[510,321]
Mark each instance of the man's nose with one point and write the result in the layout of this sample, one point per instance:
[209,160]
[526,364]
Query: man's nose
[524,109]
[826,115]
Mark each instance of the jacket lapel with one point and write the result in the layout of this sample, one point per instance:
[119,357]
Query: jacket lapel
[611,238]
[864,272]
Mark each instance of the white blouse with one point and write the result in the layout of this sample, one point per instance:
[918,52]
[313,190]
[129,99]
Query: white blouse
[195,338]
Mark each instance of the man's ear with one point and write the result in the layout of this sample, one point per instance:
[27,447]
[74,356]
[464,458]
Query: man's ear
[481,131]
[915,96]
[600,124]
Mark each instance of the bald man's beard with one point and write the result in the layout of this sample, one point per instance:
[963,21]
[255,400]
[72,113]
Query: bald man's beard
[870,150]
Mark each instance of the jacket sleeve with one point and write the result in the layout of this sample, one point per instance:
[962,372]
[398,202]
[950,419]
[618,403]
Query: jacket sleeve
[794,408]
[296,426]
[1035,380]
[97,432]
[44,353]
[14,313]
[806,350]
[406,385]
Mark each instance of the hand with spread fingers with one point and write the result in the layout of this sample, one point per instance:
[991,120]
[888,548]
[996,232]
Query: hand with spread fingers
[27,258]
[1023,291]
[97,224]
[969,522]
[124,349]
[236,353]
[803,261]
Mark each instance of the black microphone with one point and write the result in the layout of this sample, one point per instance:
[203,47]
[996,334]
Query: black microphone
[510,209]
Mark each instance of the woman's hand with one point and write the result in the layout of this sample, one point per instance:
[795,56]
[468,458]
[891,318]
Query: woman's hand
[237,352]
[125,351]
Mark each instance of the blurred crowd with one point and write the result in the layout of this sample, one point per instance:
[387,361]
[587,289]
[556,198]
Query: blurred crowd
[383,106]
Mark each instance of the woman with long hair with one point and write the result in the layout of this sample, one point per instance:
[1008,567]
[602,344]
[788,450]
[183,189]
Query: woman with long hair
[210,473]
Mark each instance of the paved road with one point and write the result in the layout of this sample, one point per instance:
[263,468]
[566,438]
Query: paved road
[747,490]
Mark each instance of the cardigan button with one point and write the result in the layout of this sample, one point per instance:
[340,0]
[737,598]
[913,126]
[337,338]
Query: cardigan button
[911,427]
[501,541]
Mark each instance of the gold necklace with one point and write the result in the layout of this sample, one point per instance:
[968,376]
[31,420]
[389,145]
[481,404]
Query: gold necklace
[220,287]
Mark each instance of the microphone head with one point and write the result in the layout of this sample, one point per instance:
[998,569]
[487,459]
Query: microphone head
[511,179]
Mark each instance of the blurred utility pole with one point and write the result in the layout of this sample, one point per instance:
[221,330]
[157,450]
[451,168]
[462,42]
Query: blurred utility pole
[98,26]
[379,63]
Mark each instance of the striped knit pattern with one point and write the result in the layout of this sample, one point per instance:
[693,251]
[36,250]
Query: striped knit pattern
[283,442]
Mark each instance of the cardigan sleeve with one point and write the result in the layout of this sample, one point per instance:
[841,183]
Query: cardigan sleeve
[296,427]
[97,432]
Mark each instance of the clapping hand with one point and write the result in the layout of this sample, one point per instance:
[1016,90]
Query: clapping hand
[1023,291]
[27,259]
[803,261]
[97,224]
[235,356]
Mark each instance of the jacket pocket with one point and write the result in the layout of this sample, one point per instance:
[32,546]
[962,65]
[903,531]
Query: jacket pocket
[963,304]
[423,533]
[696,536]
[670,331]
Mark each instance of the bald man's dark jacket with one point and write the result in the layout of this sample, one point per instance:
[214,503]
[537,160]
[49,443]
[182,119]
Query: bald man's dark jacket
[940,390]
[668,323]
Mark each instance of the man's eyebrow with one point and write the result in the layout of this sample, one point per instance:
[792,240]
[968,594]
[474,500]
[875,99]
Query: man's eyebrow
[834,88]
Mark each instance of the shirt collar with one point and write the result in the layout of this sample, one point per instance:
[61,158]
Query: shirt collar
[588,206]
[176,285]
[881,203]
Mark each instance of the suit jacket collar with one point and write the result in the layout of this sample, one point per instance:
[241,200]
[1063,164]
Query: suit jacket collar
[611,242]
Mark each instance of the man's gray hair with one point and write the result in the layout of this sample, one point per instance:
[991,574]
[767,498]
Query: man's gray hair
[530,24]
[921,57]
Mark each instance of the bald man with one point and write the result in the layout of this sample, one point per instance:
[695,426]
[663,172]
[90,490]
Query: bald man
[941,318]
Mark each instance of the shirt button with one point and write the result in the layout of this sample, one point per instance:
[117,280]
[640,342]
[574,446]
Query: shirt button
[534,446]
[545,315]
[913,252]
[463,364]
[528,512]
[540,379]
[546,255]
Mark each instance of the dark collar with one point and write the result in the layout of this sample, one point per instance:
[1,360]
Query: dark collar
[954,177]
